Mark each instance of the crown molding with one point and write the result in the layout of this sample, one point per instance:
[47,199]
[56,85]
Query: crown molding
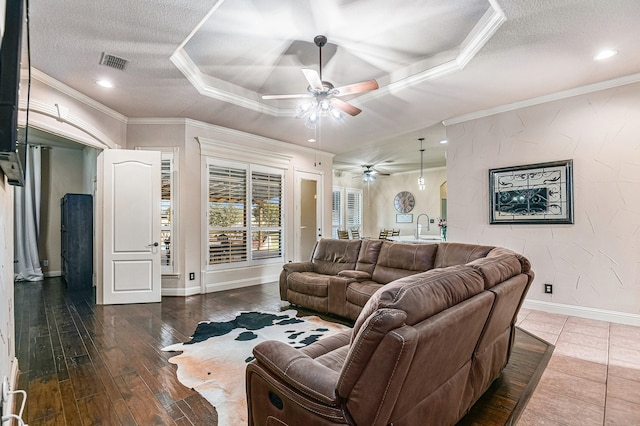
[279,145]
[96,138]
[577,91]
[225,132]
[204,84]
[224,91]
[73,93]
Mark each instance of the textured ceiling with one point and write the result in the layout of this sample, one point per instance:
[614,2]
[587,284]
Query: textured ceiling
[434,60]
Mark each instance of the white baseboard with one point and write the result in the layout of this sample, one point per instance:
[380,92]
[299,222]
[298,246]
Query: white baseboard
[189,291]
[230,285]
[583,312]
[50,274]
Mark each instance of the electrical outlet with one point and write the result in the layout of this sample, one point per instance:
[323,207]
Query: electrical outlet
[548,288]
[45,262]
[192,276]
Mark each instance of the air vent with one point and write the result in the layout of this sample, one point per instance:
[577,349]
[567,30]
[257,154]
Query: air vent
[113,61]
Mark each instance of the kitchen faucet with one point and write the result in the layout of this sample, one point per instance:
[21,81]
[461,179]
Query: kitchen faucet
[418,222]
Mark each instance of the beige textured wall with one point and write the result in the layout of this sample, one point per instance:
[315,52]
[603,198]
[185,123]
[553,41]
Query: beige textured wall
[595,262]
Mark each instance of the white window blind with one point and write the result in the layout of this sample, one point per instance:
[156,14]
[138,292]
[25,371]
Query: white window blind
[227,215]
[266,215]
[354,209]
[245,201]
[336,211]
[166,212]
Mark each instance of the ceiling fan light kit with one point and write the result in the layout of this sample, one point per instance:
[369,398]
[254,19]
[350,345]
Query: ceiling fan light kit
[325,100]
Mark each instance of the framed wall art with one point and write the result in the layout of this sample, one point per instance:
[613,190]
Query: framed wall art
[404,218]
[533,194]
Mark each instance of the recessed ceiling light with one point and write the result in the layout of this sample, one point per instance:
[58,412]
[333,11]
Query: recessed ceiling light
[605,54]
[105,83]
[311,140]
[443,141]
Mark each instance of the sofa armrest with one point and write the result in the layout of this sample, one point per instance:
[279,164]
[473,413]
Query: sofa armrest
[298,267]
[356,275]
[288,268]
[298,370]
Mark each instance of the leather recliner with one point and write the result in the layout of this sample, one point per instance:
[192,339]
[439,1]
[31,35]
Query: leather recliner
[422,351]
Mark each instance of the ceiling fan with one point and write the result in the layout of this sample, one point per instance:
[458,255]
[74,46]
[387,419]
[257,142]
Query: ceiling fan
[325,95]
[369,173]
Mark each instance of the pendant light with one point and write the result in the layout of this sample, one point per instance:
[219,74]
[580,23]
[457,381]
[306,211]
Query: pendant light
[421,185]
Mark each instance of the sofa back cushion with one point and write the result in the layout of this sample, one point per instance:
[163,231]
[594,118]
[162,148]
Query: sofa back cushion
[369,252]
[398,260]
[332,256]
[450,254]
[424,294]
[497,268]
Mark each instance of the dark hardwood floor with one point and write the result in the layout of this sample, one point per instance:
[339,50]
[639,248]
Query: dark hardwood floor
[83,364]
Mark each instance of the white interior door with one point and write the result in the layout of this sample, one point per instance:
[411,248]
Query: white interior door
[308,222]
[129,220]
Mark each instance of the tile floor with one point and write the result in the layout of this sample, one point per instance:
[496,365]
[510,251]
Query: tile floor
[593,377]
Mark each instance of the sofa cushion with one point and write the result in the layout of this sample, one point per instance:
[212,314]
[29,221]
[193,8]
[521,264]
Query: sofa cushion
[526,265]
[332,256]
[497,269]
[398,260]
[450,254]
[311,283]
[425,294]
[359,293]
[368,256]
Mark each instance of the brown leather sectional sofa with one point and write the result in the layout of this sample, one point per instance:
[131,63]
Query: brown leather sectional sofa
[424,347]
[343,274]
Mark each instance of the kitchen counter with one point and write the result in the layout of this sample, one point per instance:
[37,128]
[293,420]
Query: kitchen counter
[411,239]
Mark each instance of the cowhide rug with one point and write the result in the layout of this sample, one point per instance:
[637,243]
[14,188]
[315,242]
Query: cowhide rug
[213,362]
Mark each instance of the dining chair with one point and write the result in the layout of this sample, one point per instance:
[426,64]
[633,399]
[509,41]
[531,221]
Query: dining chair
[355,234]
[343,235]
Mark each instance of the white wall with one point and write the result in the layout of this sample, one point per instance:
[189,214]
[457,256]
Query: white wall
[7,328]
[594,263]
[190,136]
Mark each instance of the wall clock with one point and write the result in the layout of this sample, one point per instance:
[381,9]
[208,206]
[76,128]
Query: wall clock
[404,202]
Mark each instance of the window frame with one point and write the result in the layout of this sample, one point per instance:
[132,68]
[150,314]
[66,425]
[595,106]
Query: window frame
[249,228]
[339,191]
[173,154]
[346,219]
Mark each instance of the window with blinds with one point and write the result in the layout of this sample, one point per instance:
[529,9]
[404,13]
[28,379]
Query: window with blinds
[166,212]
[336,211]
[354,209]
[266,215]
[245,214]
[346,210]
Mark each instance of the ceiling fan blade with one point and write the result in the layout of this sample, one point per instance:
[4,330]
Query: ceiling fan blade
[298,96]
[313,78]
[350,89]
[380,173]
[345,107]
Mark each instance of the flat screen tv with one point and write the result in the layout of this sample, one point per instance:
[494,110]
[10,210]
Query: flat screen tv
[11,158]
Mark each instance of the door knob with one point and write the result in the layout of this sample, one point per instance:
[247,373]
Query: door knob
[153,245]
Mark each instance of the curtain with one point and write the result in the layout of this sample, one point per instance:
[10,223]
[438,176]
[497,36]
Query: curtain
[27,220]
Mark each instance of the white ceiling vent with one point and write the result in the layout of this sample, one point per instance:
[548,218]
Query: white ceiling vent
[113,61]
